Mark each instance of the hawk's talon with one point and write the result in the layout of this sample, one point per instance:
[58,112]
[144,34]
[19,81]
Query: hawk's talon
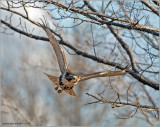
[56,88]
[59,91]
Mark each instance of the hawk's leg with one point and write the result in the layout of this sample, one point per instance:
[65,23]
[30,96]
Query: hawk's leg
[56,88]
[60,91]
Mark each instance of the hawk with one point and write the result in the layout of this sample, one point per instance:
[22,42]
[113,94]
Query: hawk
[67,80]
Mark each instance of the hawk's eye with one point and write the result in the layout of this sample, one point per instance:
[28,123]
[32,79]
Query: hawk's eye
[73,78]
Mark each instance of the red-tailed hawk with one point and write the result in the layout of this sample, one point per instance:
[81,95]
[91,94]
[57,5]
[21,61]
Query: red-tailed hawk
[67,80]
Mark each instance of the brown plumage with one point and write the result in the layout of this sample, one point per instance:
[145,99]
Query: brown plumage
[67,79]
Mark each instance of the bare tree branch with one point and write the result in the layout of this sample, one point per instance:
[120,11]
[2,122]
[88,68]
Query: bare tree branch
[120,35]
[123,103]
[139,77]
[154,10]
[132,26]
[156,2]
[120,40]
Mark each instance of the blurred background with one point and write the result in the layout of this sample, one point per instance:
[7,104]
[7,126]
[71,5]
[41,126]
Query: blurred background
[28,96]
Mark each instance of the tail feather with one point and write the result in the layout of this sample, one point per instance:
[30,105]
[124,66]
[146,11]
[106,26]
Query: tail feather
[71,92]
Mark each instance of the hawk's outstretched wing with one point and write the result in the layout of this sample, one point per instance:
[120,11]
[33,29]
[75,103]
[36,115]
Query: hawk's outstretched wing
[58,50]
[101,74]
[53,79]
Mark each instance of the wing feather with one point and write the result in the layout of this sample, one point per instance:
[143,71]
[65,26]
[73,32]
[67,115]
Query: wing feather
[53,79]
[102,74]
[58,51]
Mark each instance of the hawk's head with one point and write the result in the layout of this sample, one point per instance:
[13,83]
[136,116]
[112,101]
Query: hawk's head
[71,77]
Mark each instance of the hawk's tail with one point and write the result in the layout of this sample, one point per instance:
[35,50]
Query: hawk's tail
[71,92]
